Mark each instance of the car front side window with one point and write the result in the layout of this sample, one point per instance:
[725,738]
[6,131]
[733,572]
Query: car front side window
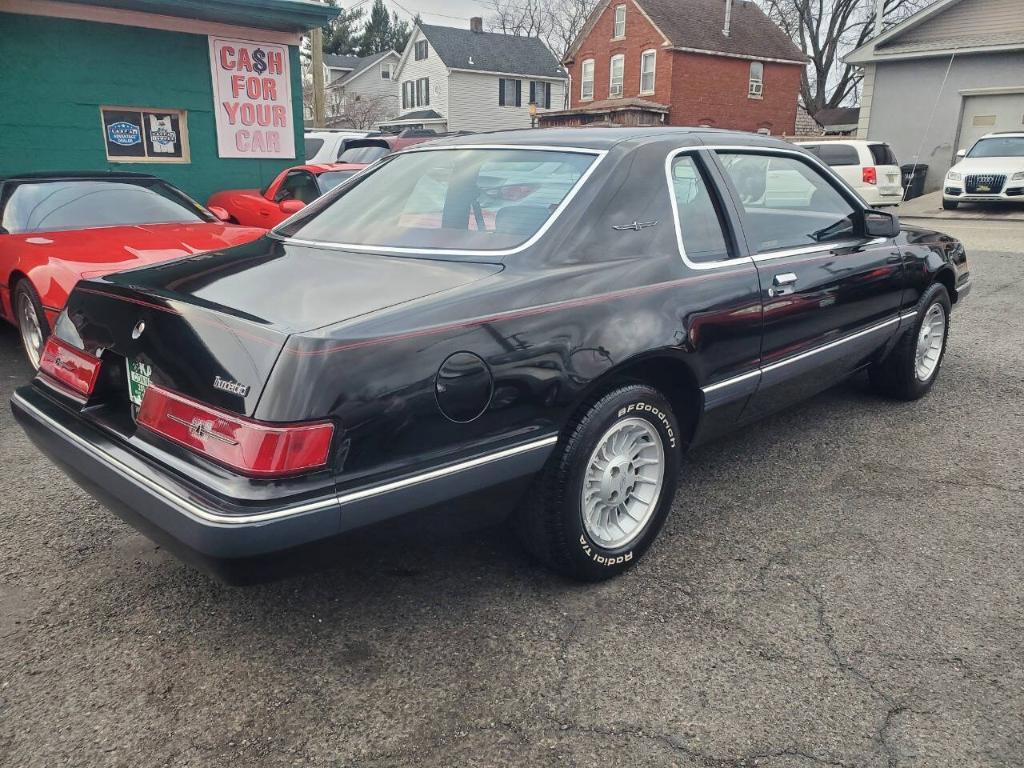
[786,202]
[298,185]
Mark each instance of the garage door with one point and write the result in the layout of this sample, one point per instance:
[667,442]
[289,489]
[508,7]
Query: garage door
[985,114]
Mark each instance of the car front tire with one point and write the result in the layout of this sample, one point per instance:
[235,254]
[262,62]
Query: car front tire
[950,205]
[32,325]
[606,491]
[911,368]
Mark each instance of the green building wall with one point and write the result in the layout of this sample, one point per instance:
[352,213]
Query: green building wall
[55,74]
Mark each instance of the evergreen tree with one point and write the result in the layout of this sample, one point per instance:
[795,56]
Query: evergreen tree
[341,35]
[376,36]
[399,33]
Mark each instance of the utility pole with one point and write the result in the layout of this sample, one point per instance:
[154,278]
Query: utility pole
[879,12]
[316,43]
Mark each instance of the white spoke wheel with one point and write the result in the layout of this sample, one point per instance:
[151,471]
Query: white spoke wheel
[930,341]
[31,322]
[604,494]
[623,483]
[911,367]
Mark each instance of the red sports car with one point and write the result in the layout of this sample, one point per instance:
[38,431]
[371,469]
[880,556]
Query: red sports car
[290,192]
[57,228]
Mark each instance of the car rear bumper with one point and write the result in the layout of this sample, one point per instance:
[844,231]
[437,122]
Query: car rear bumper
[198,529]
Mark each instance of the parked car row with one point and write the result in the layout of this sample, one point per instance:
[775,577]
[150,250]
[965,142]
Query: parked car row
[537,322]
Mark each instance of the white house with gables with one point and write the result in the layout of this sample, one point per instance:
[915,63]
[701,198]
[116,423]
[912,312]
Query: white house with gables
[361,90]
[469,80]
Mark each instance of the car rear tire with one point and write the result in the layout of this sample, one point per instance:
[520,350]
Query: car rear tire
[607,489]
[912,366]
[950,205]
[32,324]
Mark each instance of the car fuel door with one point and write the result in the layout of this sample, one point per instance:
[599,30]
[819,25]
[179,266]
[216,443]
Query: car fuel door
[830,292]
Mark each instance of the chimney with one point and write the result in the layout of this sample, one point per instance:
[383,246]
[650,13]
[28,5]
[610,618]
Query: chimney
[476,24]
[728,17]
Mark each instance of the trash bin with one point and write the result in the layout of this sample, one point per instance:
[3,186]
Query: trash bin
[913,179]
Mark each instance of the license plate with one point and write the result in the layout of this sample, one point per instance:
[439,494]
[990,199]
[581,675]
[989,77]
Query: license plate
[138,380]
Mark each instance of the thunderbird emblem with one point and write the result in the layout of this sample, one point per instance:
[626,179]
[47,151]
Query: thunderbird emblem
[200,429]
[636,226]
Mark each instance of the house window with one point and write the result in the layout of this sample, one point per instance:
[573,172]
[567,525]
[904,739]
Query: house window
[420,50]
[423,92]
[385,71]
[408,94]
[647,60]
[540,94]
[615,75]
[619,30]
[755,89]
[587,80]
[510,93]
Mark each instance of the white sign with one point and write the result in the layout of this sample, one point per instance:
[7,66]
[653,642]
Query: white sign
[252,99]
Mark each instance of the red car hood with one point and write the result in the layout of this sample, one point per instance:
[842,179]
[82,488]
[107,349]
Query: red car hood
[99,251]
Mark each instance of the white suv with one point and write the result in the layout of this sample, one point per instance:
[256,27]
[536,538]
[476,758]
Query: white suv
[323,145]
[868,166]
[992,171]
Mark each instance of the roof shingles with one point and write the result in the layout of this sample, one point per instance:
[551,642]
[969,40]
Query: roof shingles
[492,52]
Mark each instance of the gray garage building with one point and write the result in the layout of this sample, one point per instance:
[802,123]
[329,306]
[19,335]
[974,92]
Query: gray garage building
[942,78]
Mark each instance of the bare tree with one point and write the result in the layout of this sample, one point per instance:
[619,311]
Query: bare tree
[826,30]
[556,22]
[359,111]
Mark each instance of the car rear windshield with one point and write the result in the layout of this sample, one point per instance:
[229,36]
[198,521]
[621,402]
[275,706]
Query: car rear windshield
[835,154]
[480,199]
[313,146]
[1008,146]
[330,179]
[364,153]
[48,206]
[883,154]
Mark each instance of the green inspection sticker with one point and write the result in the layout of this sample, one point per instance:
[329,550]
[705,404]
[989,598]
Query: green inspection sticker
[138,380]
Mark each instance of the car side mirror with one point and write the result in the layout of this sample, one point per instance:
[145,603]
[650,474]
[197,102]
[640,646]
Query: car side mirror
[291,206]
[961,154]
[220,213]
[881,224]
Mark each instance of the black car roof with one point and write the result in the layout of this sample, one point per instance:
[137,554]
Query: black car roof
[59,175]
[606,138]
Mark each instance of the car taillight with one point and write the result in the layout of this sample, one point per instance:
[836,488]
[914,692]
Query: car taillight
[74,368]
[870,174]
[251,447]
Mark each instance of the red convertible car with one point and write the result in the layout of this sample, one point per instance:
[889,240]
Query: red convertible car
[57,228]
[289,193]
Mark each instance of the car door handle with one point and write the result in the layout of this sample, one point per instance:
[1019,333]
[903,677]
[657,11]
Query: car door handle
[782,284]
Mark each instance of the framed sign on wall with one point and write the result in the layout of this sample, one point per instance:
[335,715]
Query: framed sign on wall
[252,99]
[145,135]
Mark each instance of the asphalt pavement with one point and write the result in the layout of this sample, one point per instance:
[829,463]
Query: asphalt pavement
[838,585]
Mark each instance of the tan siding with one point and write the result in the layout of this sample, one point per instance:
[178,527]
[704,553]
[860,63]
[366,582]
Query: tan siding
[969,18]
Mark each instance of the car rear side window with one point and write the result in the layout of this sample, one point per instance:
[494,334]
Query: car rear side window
[882,154]
[480,199]
[48,206]
[701,225]
[786,202]
[835,154]
[313,146]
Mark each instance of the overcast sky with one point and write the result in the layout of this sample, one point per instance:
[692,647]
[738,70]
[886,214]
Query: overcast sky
[449,13]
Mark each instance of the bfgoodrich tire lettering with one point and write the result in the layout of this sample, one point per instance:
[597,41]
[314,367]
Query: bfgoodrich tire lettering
[553,524]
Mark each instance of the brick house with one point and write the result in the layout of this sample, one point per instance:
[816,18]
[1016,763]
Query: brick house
[682,62]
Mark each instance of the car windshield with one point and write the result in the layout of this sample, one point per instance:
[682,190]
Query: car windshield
[452,199]
[1008,146]
[330,179]
[48,206]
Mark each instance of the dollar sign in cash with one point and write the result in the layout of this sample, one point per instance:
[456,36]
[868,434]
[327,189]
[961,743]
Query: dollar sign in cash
[259,61]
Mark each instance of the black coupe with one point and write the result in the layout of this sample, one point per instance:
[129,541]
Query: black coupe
[543,319]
